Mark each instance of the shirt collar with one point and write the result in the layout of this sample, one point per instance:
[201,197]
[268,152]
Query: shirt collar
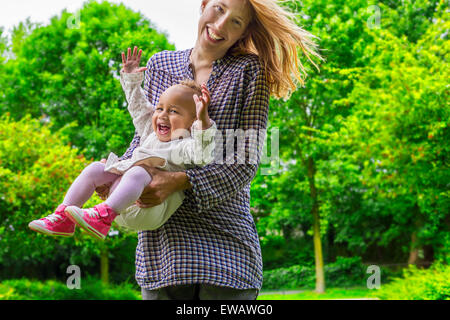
[219,65]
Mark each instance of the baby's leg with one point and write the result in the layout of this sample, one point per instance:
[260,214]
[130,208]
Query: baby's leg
[129,189]
[84,185]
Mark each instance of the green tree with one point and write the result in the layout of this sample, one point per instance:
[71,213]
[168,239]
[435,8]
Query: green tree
[36,169]
[410,18]
[306,119]
[68,72]
[320,185]
[399,132]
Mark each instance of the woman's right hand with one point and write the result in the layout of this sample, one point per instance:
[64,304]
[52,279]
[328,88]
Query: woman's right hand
[132,61]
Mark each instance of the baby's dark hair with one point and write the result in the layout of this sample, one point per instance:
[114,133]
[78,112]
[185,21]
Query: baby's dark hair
[192,85]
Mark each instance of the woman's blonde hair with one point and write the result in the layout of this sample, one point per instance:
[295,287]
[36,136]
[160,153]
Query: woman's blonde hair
[278,41]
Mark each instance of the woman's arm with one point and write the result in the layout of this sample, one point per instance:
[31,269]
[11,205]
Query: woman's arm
[215,183]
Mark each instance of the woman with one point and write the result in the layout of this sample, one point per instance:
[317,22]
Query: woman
[246,51]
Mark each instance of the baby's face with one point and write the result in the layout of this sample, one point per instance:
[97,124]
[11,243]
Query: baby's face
[174,114]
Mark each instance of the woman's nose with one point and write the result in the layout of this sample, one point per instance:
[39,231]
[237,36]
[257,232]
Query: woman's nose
[221,22]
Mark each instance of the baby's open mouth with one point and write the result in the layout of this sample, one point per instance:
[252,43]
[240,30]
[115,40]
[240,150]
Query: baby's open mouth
[163,129]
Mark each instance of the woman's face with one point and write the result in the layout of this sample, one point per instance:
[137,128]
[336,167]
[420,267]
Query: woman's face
[222,23]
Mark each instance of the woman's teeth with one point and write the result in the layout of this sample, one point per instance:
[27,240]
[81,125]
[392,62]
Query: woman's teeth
[213,35]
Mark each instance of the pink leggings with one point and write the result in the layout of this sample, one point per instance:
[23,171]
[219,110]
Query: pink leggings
[125,189]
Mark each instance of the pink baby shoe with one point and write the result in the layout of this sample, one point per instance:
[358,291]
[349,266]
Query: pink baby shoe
[56,224]
[96,221]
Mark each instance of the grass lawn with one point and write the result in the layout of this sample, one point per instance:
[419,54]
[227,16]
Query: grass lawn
[332,293]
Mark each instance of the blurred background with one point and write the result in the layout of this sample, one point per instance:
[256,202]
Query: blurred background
[353,204]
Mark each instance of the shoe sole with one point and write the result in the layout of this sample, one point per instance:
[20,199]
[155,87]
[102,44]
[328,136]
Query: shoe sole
[41,230]
[76,217]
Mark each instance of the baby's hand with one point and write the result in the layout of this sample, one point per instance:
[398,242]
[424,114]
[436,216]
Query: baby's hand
[201,104]
[131,64]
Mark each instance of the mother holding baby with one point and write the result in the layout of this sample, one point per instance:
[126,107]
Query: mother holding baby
[246,51]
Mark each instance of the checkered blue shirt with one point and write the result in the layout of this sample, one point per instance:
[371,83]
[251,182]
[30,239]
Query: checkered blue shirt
[212,237]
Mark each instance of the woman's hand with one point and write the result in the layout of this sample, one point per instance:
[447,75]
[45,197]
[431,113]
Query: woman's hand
[132,62]
[163,184]
[201,104]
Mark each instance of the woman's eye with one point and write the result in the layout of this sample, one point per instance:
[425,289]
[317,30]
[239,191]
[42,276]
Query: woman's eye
[219,8]
[173,111]
[237,22]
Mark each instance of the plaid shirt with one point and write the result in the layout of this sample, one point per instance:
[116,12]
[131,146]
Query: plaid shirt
[212,237]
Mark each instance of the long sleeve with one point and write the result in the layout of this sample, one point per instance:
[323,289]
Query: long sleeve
[217,182]
[198,150]
[139,107]
[147,85]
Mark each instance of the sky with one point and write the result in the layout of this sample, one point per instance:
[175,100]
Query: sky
[178,18]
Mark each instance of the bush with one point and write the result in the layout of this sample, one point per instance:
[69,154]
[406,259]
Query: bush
[288,278]
[91,289]
[36,169]
[344,272]
[418,284]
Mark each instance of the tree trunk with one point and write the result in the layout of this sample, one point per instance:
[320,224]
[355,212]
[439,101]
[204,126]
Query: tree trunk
[104,264]
[414,250]
[320,277]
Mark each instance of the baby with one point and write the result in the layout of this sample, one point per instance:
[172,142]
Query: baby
[181,107]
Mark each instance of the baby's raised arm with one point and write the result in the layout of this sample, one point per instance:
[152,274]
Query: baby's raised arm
[131,77]
[200,149]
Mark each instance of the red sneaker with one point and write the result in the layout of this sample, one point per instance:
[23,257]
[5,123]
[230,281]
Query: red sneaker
[56,224]
[96,221]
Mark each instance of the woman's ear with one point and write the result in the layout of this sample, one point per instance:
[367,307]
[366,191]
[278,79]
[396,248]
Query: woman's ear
[203,5]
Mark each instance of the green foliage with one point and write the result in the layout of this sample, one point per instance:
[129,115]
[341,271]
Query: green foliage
[306,122]
[419,284]
[293,277]
[409,18]
[330,294]
[345,272]
[91,289]
[282,251]
[370,132]
[397,139]
[69,73]
[36,169]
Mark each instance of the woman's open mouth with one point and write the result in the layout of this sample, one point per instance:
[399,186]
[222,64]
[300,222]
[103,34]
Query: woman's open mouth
[212,36]
[163,129]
